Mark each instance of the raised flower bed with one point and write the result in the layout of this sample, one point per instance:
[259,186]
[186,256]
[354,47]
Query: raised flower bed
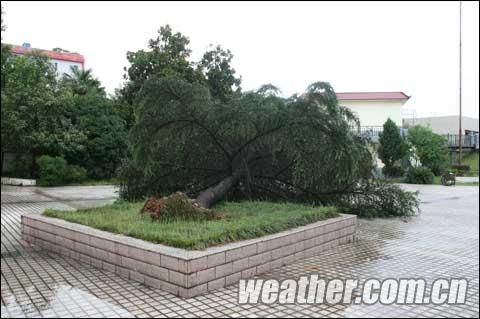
[186,273]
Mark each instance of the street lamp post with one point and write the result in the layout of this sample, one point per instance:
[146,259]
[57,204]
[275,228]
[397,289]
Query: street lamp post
[460,146]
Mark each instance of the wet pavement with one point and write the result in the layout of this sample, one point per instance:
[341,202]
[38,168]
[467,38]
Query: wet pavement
[443,241]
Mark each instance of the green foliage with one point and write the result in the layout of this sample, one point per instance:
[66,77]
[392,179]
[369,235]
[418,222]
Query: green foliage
[431,148]
[75,174]
[472,160]
[21,166]
[82,82]
[380,199]
[72,118]
[393,171]
[28,84]
[220,76]
[133,184]
[182,134]
[167,56]
[243,220]
[295,149]
[53,170]
[104,131]
[419,175]
[461,167]
[392,147]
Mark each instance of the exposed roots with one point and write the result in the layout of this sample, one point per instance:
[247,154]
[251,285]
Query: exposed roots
[177,206]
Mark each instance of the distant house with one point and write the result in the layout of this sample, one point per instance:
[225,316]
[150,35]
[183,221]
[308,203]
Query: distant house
[374,108]
[62,60]
[446,124]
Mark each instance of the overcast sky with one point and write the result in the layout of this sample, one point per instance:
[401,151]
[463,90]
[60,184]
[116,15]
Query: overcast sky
[366,46]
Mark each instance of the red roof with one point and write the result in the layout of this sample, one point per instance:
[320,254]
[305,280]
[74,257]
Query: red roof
[64,56]
[372,96]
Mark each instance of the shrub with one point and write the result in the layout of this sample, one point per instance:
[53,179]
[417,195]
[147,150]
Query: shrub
[461,167]
[431,148]
[392,147]
[75,174]
[53,170]
[419,175]
[22,166]
[384,200]
[132,181]
[393,171]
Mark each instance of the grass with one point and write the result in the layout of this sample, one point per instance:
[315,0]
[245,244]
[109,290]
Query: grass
[472,159]
[243,220]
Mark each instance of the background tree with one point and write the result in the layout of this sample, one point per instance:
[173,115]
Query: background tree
[82,81]
[28,92]
[168,56]
[392,147]
[220,75]
[254,146]
[431,148]
[73,119]
[98,119]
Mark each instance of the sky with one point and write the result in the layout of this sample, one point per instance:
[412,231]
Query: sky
[362,46]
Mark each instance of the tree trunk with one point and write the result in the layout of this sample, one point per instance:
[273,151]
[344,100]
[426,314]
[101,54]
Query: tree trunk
[215,193]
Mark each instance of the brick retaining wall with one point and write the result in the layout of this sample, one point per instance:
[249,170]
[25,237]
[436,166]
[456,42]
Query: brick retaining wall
[182,272]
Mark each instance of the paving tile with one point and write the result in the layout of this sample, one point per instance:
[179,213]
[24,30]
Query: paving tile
[441,242]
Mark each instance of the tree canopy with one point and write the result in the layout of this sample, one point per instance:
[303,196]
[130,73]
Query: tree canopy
[219,73]
[70,117]
[255,145]
[431,148]
[167,56]
[392,147]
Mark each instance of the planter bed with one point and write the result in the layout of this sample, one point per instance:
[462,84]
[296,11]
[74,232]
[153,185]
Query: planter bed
[186,273]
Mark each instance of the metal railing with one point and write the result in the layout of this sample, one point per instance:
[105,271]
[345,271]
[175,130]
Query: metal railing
[373,132]
[470,141]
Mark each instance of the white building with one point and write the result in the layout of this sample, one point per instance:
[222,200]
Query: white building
[374,108]
[446,124]
[63,61]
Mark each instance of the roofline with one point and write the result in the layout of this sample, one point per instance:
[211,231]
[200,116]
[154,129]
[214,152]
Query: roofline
[62,56]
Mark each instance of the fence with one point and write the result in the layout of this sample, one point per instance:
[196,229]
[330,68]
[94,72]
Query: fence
[373,132]
[470,141]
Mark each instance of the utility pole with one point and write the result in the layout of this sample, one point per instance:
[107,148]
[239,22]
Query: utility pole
[460,150]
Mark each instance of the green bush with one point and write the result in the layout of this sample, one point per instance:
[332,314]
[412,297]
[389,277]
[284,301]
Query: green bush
[392,148]
[75,174]
[393,171]
[53,170]
[385,200]
[419,175]
[22,166]
[461,167]
[431,148]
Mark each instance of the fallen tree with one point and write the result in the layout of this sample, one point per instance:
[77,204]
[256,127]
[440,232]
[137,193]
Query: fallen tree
[255,145]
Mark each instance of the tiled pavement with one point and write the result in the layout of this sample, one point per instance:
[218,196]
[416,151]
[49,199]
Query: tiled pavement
[441,242]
